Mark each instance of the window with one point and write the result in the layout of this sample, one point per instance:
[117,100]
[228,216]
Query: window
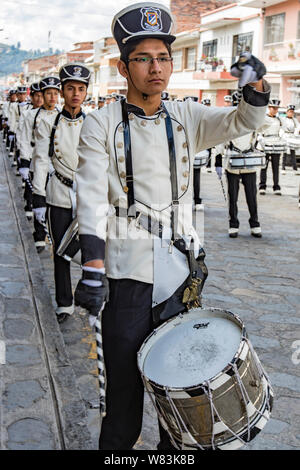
[177,60]
[241,43]
[191,58]
[210,48]
[274,28]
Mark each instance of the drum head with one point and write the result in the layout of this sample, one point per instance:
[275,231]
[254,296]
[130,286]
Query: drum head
[191,348]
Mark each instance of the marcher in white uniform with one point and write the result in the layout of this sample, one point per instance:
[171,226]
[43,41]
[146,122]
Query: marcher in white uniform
[26,145]
[50,87]
[290,127]
[57,138]
[137,155]
[272,132]
[16,112]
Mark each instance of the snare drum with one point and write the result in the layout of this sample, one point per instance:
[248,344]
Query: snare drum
[201,159]
[205,380]
[274,144]
[247,160]
[293,142]
[69,247]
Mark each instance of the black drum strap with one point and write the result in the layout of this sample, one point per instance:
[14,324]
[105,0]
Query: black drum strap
[131,211]
[51,143]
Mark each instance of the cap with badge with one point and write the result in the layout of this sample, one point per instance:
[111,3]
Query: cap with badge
[101,99]
[165,96]
[228,99]
[34,88]
[75,72]
[50,82]
[290,107]
[206,102]
[141,21]
[12,92]
[21,89]
[274,102]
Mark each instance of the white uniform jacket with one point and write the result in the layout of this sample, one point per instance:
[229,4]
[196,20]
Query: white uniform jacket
[15,113]
[101,173]
[290,127]
[64,159]
[27,137]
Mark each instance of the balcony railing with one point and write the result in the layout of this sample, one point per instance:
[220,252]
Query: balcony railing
[282,52]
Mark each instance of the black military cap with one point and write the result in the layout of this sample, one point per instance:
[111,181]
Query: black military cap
[21,89]
[206,101]
[165,95]
[101,99]
[291,106]
[193,98]
[274,102]
[35,87]
[12,92]
[50,82]
[74,71]
[141,21]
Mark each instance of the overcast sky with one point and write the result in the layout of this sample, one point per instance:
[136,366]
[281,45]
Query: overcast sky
[69,21]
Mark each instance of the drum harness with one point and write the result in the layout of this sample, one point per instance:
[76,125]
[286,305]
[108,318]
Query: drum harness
[192,293]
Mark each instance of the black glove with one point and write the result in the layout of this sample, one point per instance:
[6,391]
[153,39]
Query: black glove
[248,69]
[89,297]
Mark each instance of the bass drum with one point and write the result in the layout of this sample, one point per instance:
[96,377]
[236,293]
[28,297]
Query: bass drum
[69,247]
[205,380]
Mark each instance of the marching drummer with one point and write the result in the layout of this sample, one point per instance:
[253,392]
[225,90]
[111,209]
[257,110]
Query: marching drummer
[57,137]
[137,155]
[246,175]
[290,127]
[273,131]
[49,87]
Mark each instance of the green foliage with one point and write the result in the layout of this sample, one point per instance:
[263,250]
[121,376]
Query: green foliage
[11,57]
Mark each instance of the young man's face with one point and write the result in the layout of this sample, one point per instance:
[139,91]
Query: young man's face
[150,78]
[21,97]
[13,98]
[74,93]
[37,99]
[273,110]
[290,113]
[51,97]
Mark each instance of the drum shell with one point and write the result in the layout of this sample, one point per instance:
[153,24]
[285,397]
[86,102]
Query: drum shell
[293,142]
[201,159]
[246,161]
[274,145]
[193,404]
[69,247]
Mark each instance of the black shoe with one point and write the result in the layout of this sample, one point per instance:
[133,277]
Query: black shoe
[62,317]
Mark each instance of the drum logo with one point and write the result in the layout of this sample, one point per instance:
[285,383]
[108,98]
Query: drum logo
[151,19]
[199,326]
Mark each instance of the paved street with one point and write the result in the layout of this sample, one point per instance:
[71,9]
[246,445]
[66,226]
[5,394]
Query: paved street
[48,376]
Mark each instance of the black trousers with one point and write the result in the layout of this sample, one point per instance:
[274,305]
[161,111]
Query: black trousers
[274,157]
[292,158]
[39,234]
[126,322]
[249,182]
[28,195]
[197,178]
[59,220]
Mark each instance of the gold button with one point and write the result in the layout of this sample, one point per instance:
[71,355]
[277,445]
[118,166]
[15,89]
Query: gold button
[184,145]
[185,174]
[163,115]
[70,124]
[184,187]
[157,121]
[121,159]
[80,120]
[143,123]
[179,128]
[75,123]
[123,174]
[125,189]
[120,129]
[120,145]
[131,116]
[184,159]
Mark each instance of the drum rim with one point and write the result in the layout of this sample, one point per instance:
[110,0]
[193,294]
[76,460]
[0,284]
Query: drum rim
[243,343]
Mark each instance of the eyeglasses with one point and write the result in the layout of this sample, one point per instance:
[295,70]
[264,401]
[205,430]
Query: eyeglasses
[150,60]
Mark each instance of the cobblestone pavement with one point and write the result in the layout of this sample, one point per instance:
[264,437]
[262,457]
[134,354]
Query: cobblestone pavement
[258,279]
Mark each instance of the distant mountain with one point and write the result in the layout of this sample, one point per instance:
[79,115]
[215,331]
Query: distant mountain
[11,57]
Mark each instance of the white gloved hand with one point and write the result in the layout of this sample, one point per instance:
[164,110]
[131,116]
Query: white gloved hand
[248,69]
[40,214]
[219,171]
[24,172]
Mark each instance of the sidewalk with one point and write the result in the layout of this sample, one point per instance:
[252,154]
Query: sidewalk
[41,407]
